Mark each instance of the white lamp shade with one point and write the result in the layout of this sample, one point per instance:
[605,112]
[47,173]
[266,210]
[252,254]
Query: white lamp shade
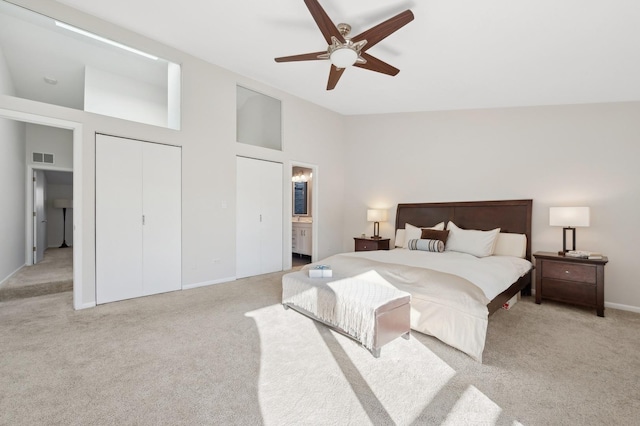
[62,203]
[376,215]
[569,216]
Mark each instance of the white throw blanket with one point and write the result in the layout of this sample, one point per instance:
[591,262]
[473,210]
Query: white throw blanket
[443,305]
[349,303]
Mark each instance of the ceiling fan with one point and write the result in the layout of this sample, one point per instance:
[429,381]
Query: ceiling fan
[344,51]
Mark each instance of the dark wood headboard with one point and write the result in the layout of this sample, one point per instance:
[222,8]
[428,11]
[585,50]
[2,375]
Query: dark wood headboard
[513,216]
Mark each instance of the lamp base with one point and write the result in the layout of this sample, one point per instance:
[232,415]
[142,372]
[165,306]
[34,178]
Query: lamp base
[376,237]
[564,239]
[64,244]
[561,253]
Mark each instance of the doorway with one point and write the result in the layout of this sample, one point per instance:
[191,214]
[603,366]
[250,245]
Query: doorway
[303,218]
[49,192]
[74,225]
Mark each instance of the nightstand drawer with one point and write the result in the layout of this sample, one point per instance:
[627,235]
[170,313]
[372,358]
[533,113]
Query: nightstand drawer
[371,244]
[569,272]
[362,245]
[568,291]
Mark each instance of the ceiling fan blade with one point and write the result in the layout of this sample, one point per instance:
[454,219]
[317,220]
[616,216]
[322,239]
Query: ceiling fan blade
[334,76]
[383,30]
[304,57]
[375,64]
[326,25]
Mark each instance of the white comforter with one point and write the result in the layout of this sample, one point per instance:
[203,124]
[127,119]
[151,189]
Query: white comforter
[493,274]
[449,291]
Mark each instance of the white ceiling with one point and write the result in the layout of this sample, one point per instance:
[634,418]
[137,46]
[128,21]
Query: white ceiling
[456,54]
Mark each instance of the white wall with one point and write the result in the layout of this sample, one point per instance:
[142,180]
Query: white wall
[580,155]
[311,135]
[50,140]
[6,82]
[123,97]
[54,216]
[12,184]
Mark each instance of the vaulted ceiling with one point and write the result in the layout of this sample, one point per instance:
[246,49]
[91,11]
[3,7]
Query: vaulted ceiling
[456,54]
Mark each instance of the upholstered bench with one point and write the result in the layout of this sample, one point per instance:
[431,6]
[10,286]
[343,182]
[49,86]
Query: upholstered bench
[364,307]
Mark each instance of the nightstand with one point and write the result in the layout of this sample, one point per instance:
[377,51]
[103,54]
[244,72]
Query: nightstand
[571,280]
[370,244]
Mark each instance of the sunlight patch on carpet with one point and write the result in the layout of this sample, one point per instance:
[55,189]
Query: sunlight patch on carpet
[310,375]
[473,407]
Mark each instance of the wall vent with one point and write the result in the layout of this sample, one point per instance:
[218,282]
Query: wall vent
[40,157]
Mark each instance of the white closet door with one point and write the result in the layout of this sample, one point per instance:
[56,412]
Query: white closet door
[271,216]
[118,219]
[161,192]
[258,217]
[248,247]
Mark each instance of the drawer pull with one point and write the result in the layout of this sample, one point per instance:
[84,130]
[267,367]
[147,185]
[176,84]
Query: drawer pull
[566,272]
[365,246]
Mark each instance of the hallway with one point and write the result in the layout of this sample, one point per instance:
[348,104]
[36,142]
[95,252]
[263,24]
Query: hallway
[54,274]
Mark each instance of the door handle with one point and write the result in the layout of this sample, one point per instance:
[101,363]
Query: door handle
[44,221]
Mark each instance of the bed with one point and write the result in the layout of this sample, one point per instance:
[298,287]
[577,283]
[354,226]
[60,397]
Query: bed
[453,292]
[511,216]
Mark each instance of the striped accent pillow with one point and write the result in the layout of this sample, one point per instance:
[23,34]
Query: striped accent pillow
[426,245]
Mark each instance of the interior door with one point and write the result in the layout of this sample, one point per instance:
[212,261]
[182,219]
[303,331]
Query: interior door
[258,217]
[247,217]
[118,219]
[40,216]
[271,216]
[162,226]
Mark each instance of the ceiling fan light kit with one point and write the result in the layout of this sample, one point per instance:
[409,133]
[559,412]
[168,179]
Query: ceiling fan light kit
[343,57]
[344,52]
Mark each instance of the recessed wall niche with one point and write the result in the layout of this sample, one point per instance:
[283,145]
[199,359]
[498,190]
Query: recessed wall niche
[45,59]
[258,119]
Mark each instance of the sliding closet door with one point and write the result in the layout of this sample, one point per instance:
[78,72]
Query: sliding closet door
[259,217]
[118,219]
[162,202]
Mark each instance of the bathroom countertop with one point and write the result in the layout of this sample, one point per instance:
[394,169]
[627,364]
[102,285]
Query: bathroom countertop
[297,219]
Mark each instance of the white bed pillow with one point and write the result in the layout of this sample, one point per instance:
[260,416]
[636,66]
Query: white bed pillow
[414,233]
[399,237]
[477,243]
[511,245]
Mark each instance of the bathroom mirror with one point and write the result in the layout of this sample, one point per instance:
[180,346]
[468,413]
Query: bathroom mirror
[300,199]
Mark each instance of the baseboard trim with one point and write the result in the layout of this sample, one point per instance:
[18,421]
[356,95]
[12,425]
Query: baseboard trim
[622,307]
[85,306]
[11,274]
[207,283]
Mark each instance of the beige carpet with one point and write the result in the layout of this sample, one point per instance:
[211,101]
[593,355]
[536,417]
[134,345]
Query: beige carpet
[230,354]
[53,274]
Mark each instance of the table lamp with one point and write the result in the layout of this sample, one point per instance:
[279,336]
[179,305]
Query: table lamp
[569,218]
[376,216]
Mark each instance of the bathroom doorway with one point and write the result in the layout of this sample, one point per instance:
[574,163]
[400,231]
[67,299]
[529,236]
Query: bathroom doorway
[302,218]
